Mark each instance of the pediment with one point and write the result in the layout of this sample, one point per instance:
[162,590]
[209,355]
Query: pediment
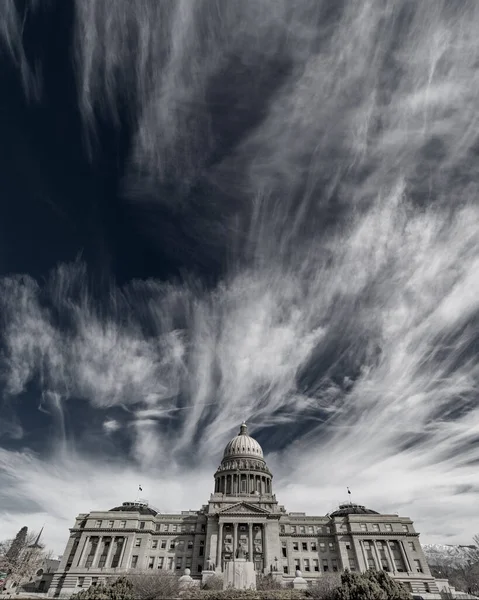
[243,508]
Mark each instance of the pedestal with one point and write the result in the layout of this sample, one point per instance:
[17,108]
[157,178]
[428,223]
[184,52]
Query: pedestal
[240,575]
[299,583]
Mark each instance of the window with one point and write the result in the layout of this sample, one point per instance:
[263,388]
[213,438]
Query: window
[137,542]
[295,546]
[304,545]
[179,562]
[284,550]
[352,564]
[293,528]
[97,523]
[322,546]
[163,544]
[183,529]
[122,524]
[388,527]
[348,546]
[367,544]
[110,524]
[335,564]
[285,569]
[315,565]
[384,564]
[371,563]
[405,528]
[417,564]
[192,528]
[173,528]
[190,544]
[188,562]
[379,544]
[297,565]
[202,548]
[151,562]
[154,544]
[325,565]
[172,544]
[363,526]
[331,545]
[134,561]
[411,546]
[318,529]
[281,529]
[161,561]
[307,566]
[157,527]
[80,581]
[314,546]
[203,528]
[142,524]
[164,527]
[170,563]
[399,566]
[310,529]
[375,527]
[328,529]
[302,529]
[94,580]
[181,545]
[392,544]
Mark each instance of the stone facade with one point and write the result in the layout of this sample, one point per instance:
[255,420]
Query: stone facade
[241,512]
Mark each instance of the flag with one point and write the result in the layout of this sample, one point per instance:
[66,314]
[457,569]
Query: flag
[140,488]
[349,491]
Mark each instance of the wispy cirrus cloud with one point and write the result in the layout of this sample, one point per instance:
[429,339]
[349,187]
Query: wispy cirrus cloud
[331,173]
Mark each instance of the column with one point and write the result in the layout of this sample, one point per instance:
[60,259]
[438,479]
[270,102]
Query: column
[81,560]
[376,553]
[265,549]
[391,557]
[235,538]
[110,552]
[94,564]
[405,558]
[364,555]
[250,541]
[219,547]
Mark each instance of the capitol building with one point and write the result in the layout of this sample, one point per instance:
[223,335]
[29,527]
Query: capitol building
[242,512]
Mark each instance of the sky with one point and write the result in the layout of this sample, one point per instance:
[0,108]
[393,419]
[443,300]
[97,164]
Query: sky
[255,209]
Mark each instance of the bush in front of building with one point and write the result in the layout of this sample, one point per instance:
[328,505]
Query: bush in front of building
[325,587]
[158,585]
[214,582]
[232,594]
[120,589]
[371,585]
[267,582]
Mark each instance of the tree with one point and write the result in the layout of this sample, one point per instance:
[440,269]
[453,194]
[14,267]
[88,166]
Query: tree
[21,557]
[120,589]
[371,585]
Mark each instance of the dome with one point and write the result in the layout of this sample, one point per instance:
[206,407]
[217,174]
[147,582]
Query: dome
[352,509]
[140,507]
[243,445]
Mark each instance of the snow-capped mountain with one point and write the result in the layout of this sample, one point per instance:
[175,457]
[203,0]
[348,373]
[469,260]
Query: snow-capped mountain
[452,556]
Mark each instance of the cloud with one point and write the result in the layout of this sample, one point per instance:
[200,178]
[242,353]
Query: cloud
[339,196]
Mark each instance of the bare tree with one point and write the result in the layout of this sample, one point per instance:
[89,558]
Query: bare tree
[21,557]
